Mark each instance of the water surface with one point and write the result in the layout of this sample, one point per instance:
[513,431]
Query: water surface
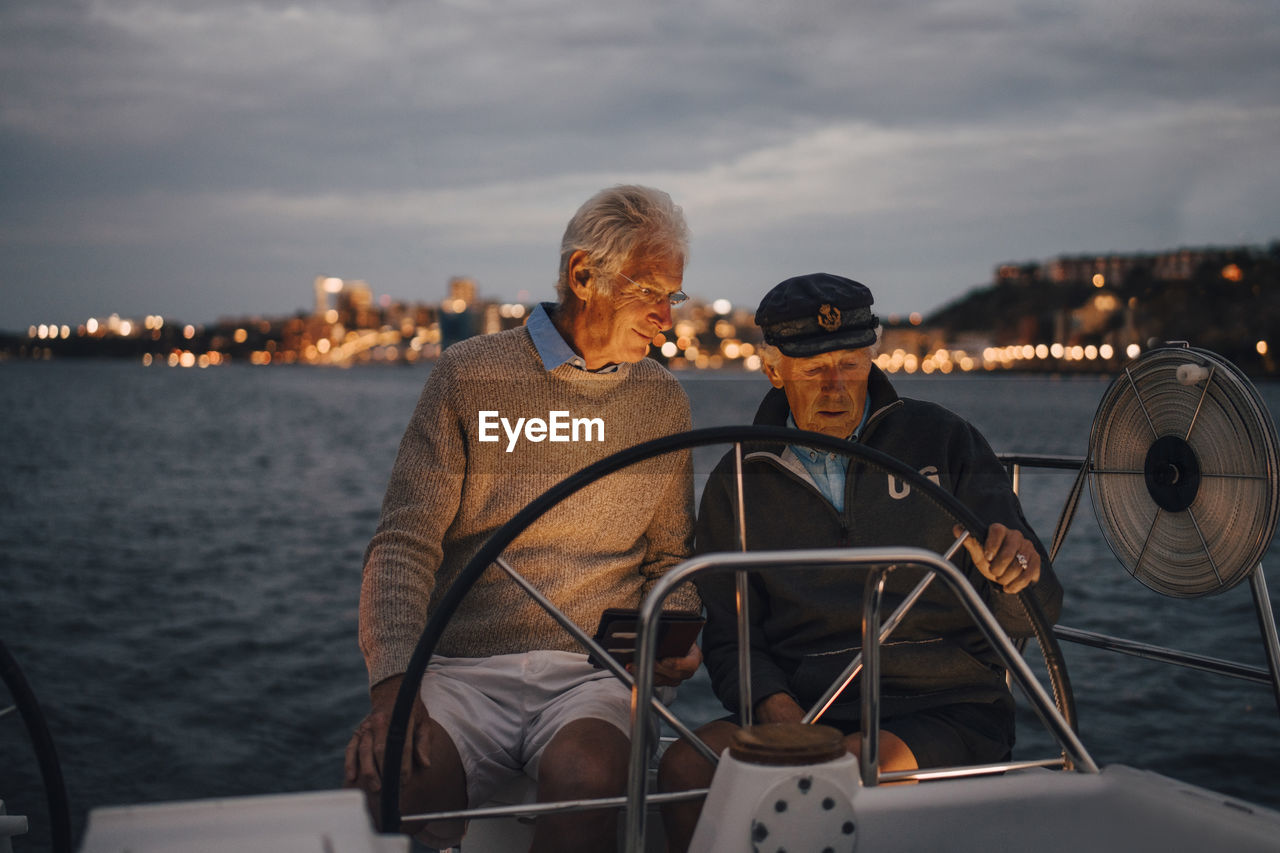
[180,556]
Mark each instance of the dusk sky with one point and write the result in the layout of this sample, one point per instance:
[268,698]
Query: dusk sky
[201,160]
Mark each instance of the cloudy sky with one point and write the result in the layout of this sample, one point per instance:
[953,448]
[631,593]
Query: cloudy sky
[201,159]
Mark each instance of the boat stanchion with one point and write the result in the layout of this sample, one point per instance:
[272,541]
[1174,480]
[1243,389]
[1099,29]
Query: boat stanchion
[1267,622]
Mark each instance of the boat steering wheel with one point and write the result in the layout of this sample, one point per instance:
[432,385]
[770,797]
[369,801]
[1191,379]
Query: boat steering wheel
[389,805]
[55,788]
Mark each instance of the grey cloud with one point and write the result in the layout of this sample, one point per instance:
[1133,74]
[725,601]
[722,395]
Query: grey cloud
[186,147]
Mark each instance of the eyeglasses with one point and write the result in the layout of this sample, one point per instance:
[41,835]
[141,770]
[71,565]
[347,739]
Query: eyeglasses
[653,296]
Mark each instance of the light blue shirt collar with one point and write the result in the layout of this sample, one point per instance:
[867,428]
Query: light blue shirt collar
[828,470]
[552,348]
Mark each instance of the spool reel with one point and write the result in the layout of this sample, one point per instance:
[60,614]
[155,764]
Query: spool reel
[1183,472]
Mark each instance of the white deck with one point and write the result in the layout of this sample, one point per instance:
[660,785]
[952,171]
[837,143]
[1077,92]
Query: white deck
[1121,810]
[319,822]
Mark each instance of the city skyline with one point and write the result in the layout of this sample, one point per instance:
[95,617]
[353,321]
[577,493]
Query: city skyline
[1074,313]
[1169,263]
[165,156]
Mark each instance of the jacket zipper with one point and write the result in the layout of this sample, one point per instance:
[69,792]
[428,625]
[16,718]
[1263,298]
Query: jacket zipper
[776,462]
[846,531]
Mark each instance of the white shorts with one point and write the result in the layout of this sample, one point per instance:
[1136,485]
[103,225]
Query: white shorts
[502,711]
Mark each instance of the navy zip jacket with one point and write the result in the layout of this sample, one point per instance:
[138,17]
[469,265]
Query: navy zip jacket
[806,624]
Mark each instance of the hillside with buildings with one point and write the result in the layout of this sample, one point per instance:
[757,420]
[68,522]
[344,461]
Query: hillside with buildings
[1225,299]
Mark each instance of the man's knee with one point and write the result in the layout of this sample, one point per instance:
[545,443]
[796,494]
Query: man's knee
[586,758]
[439,786]
[682,767]
[440,834]
[895,754]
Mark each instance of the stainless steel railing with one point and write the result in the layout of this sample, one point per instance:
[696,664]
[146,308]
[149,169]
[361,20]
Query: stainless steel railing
[1016,462]
[879,561]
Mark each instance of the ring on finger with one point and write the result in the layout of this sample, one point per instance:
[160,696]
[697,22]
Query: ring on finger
[1022,560]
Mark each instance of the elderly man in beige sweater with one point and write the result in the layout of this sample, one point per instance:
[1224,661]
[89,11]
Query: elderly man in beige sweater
[501,419]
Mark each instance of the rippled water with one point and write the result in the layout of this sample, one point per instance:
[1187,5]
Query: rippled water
[180,558]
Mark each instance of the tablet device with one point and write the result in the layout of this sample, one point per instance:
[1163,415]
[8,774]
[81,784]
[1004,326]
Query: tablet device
[677,631]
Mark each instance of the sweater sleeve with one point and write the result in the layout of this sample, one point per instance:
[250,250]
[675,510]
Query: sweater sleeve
[669,537]
[404,554]
[715,531]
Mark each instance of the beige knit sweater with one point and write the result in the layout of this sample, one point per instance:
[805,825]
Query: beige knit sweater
[449,491]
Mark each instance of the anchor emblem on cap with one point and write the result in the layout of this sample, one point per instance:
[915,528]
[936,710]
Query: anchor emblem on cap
[829,317]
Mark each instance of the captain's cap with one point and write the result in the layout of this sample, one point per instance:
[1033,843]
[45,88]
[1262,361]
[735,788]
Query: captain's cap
[816,313]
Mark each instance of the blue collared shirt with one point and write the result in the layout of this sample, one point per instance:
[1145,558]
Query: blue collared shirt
[829,470]
[552,348]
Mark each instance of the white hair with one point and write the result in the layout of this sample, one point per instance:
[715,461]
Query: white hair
[615,222]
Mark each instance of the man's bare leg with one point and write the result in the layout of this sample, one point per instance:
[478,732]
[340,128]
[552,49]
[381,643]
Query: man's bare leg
[440,786]
[894,752]
[683,768]
[586,759]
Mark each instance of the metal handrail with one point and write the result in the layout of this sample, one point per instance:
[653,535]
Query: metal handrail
[1015,462]
[742,597]
[1041,460]
[646,648]
[1267,624]
[1147,651]
[873,599]
[558,807]
[851,671]
[933,774]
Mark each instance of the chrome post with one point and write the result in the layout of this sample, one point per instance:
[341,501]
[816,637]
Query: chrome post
[855,666]
[1267,621]
[742,590]
[641,695]
[869,760]
[1015,479]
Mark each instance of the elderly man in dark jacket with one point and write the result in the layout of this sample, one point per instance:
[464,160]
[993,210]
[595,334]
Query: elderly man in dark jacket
[944,699]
